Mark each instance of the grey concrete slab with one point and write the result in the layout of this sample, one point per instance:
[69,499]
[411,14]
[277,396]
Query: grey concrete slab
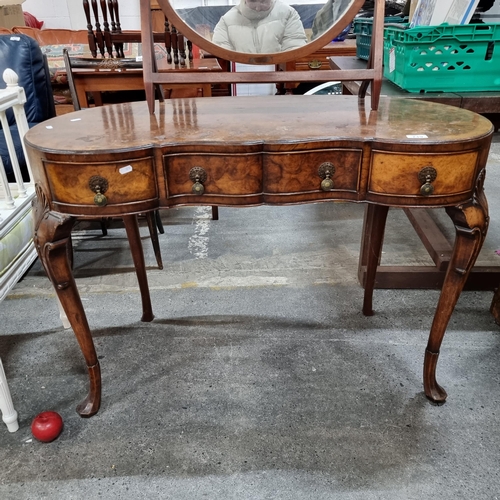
[259,377]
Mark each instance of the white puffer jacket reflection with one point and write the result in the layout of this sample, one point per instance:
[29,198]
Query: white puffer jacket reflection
[260,32]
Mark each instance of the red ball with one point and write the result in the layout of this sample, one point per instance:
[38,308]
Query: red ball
[47,426]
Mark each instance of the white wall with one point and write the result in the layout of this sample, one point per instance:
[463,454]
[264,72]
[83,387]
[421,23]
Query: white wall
[54,13]
[69,13]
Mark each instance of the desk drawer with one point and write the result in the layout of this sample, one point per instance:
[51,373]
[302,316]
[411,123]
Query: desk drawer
[299,172]
[127,181]
[320,58]
[313,62]
[236,174]
[397,174]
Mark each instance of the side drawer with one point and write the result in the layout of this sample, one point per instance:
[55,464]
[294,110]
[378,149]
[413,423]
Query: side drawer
[397,174]
[299,172]
[236,174]
[127,181]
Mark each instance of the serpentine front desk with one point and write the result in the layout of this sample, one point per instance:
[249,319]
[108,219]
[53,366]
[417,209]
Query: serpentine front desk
[121,161]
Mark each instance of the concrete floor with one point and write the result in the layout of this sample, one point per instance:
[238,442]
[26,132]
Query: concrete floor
[259,378]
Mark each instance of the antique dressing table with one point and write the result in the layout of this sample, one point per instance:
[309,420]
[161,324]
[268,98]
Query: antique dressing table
[124,159]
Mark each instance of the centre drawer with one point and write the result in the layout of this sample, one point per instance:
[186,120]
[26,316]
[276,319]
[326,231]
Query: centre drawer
[303,171]
[236,174]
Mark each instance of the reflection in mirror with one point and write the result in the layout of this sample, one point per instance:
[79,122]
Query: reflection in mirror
[261,26]
[327,15]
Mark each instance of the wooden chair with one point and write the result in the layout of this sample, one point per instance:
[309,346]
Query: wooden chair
[106,37]
[96,76]
[94,66]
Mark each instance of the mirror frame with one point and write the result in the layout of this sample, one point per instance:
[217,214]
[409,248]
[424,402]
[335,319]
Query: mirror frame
[266,58]
[370,76]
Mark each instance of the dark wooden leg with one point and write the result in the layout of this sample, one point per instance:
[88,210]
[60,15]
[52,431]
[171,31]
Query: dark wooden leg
[153,233]
[53,243]
[215,213]
[375,93]
[371,248]
[148,54]
[104,226]
[150,96]
[159,223]
[495,306]
[471,224]
[134,239]
[365,243]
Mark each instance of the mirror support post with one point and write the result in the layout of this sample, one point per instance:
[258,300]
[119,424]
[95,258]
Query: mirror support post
[148,55]
[377,49]
[375,60]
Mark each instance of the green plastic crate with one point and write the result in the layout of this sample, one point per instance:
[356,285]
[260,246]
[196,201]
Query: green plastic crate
[363,27]
[445,58]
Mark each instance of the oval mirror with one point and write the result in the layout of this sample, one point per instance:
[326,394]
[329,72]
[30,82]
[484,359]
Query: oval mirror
[260,31]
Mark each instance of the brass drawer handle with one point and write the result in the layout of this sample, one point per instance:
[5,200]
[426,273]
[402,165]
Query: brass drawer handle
[426,176]
[198,175]
[325,171]
[314,64]
[99,185]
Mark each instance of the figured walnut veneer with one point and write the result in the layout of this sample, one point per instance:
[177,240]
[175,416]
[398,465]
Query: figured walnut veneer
[250,151]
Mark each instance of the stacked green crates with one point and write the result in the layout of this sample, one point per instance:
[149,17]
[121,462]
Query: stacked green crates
[446,58]
[363,27]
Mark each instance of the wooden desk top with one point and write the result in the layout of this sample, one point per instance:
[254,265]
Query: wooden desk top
[270,121]
[389,89]
[479,102]
[345,48]
[208,64]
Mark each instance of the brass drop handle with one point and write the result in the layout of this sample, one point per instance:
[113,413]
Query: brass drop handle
[426,176]
[198,175]
[325,171]
[99,185]
[314,64]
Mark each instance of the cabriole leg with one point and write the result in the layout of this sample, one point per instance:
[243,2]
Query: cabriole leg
[53,243]
[471,224]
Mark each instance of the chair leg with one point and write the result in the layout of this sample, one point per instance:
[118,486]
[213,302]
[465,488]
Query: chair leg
[9,415]
[151,219]
[215,213]
[159,223]
[104,226]
[62,314]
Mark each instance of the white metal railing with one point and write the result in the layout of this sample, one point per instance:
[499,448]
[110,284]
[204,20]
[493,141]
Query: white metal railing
[15,208]
[14,195]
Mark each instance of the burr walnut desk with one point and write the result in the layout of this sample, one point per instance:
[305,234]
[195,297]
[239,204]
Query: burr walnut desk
[121,160]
